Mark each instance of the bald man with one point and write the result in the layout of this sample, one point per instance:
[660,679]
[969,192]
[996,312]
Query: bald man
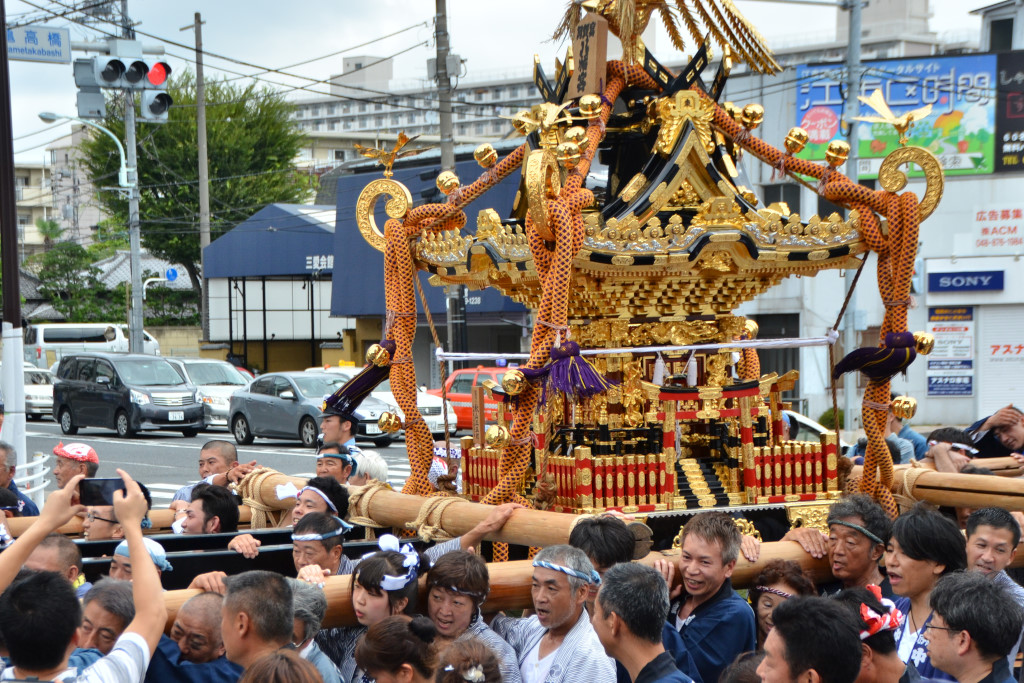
[194,652]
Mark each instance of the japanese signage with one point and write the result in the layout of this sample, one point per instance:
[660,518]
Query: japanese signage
[590,48]
[1010,112]
[320,262]
[974,281]
[951,363]
[959,129]
[39,44]
[997,229]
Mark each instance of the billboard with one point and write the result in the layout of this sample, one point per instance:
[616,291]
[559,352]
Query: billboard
[959,130]
[1010,112]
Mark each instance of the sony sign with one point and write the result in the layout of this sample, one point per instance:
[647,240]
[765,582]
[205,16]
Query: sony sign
[973,281]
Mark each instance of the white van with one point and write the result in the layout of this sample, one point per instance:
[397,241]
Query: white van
[47,343]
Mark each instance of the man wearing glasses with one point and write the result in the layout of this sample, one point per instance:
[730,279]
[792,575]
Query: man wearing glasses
[974,626]
[101,523]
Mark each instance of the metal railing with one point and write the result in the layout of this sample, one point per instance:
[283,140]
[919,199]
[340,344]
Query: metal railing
[32,478]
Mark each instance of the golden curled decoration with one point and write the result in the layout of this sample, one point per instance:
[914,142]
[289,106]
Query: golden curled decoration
[396,207]
[892,179]
[542,180]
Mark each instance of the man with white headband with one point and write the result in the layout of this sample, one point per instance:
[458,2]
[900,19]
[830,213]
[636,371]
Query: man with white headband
[558,643]
[949,449]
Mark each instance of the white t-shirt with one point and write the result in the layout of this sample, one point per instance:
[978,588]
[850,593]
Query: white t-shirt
[535,670]
[126,663]
[906,645]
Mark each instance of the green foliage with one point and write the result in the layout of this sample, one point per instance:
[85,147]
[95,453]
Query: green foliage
[827,419]
[50,230]
[110,237]
[252,143]
[68,280]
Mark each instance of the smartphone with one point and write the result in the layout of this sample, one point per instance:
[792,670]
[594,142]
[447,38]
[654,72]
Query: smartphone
[99,491]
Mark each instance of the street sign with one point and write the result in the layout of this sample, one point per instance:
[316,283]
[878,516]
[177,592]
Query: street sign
[39,44]
[171,274]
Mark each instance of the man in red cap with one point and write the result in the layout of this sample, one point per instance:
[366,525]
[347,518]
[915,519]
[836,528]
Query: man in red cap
[74,459]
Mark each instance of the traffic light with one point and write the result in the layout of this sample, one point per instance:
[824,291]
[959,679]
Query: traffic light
[155,102]
[153,106]
[91,102]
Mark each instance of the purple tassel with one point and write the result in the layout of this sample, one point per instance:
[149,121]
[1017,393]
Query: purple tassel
[569,373]
[351,394]
[880,363]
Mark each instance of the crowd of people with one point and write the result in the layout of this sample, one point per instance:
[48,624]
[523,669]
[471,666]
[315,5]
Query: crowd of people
[923,597]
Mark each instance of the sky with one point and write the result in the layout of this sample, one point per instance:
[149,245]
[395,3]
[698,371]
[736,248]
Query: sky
[493,38]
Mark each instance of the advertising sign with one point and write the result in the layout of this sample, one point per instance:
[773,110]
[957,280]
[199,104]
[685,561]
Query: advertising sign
[997,228]
[959,129]
[1010,112]
[951,363]
[972,281]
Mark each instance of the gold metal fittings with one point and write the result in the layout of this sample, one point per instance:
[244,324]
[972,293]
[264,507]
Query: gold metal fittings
[892,179]
[397,206]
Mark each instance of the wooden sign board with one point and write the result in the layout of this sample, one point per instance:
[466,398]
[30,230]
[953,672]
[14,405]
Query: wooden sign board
[590,52]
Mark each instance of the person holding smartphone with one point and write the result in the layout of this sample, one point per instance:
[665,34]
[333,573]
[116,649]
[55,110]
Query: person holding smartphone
[40,615]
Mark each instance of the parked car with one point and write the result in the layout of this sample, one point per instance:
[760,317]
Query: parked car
[46,343]
[125,392]
[459,389]
[215,381]
[809,430]
[430,406]
[38,393]
[286,405]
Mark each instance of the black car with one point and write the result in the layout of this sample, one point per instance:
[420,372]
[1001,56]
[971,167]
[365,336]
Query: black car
[124,392]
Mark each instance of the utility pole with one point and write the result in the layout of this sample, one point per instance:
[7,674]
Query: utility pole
[13,377]
[204,168]
[134,236]
[456,294]
[853,72]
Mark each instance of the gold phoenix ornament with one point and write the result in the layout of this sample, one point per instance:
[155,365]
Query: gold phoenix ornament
[387,158]
[901,123]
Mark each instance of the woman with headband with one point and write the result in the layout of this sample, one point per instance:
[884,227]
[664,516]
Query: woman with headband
[457,585]
[383,584]
[777,582]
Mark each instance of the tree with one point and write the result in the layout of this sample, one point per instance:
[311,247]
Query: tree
[50,230]
[68,280]
[252,143]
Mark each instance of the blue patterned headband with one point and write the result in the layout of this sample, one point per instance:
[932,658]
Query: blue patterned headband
[593,578]
[343,528]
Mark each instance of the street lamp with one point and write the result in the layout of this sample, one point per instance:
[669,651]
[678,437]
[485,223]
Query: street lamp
[131,188]
[122,173]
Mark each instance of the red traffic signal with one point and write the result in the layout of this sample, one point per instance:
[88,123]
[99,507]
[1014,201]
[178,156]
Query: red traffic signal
[158,73]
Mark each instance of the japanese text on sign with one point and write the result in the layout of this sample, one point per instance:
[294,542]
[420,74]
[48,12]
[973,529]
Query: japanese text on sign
[998,229]
[320,262]
[39,44]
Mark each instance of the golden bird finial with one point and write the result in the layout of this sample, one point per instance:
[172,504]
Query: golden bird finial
[388,157]
[901,123]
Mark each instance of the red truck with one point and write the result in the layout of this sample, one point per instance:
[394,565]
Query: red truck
[459,386]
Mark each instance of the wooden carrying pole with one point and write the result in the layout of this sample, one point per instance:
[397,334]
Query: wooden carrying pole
[957,490]
[457,516]
[1002,467]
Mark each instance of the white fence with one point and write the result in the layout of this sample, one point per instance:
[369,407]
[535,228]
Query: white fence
[32,478]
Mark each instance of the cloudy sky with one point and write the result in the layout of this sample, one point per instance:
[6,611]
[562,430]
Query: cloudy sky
[494,38]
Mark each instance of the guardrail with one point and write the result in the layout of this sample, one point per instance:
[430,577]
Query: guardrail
[31,478]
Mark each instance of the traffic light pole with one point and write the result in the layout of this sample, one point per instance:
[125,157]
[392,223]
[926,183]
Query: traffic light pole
[134,234]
